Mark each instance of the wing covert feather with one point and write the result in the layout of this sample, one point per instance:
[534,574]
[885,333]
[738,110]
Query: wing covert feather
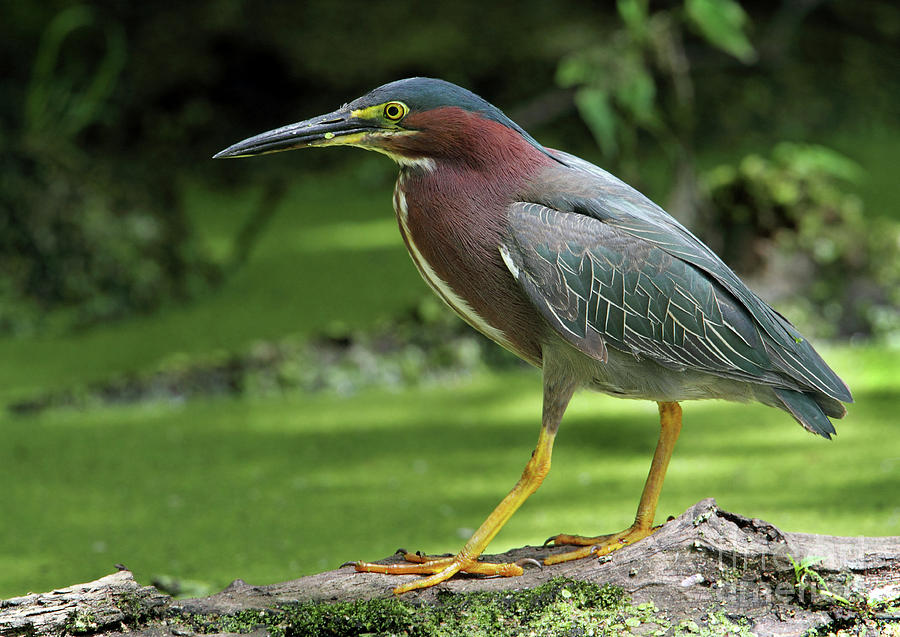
[587,190]
[599,286]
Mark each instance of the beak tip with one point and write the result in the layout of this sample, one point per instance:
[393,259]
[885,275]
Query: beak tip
[300,135]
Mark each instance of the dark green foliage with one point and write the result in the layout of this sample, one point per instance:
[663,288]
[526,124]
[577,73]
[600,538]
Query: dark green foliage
[81,235]
[792,218]
[111,107]
[88,245]
[637,77]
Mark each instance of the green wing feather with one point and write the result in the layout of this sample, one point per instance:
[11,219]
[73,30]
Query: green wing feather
[598,285]
[694,271]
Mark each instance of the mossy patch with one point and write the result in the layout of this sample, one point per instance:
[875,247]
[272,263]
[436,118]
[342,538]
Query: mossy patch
[559,607]
[81,623]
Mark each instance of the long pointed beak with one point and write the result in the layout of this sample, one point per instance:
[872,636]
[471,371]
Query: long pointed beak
[318,131]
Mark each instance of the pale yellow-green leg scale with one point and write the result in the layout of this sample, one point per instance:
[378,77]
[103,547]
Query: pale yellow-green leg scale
[670,427]
[558,391]
[441,569]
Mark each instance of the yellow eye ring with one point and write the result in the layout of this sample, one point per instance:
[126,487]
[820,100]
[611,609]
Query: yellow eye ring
[395,111]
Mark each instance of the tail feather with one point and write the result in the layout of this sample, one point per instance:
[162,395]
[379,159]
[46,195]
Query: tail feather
[809,410]
[829,405]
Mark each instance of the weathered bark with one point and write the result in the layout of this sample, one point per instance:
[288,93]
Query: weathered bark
[106,604]
[707,561]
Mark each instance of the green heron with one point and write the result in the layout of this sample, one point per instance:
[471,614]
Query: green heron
[574,271]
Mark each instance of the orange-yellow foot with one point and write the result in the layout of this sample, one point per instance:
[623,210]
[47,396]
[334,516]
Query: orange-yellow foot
[440,569]
[596,546]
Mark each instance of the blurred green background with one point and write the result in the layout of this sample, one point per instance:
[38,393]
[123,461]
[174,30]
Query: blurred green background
[212,370]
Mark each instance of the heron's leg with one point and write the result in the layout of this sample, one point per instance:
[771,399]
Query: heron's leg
[556,397]
[670,427]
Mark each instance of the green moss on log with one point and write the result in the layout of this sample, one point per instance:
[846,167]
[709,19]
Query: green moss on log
[559,607]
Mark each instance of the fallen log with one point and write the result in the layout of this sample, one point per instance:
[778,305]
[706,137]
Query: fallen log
[708,569]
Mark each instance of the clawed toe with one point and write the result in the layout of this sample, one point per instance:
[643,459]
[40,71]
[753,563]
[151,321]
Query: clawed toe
[439,569]
[528,561]
[597,546]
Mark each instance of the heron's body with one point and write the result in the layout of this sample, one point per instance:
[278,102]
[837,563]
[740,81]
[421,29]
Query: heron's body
[650,326]
[575,272]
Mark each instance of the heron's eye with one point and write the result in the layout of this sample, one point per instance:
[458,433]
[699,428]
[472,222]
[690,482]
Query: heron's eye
[394,111]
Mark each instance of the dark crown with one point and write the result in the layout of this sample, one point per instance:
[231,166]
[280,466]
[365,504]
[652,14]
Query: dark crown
[422,94]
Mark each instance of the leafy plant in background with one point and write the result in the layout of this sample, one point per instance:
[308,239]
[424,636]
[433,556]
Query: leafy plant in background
[55,111]
[787,223]
[80,235]
[790,220]
[638,79]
